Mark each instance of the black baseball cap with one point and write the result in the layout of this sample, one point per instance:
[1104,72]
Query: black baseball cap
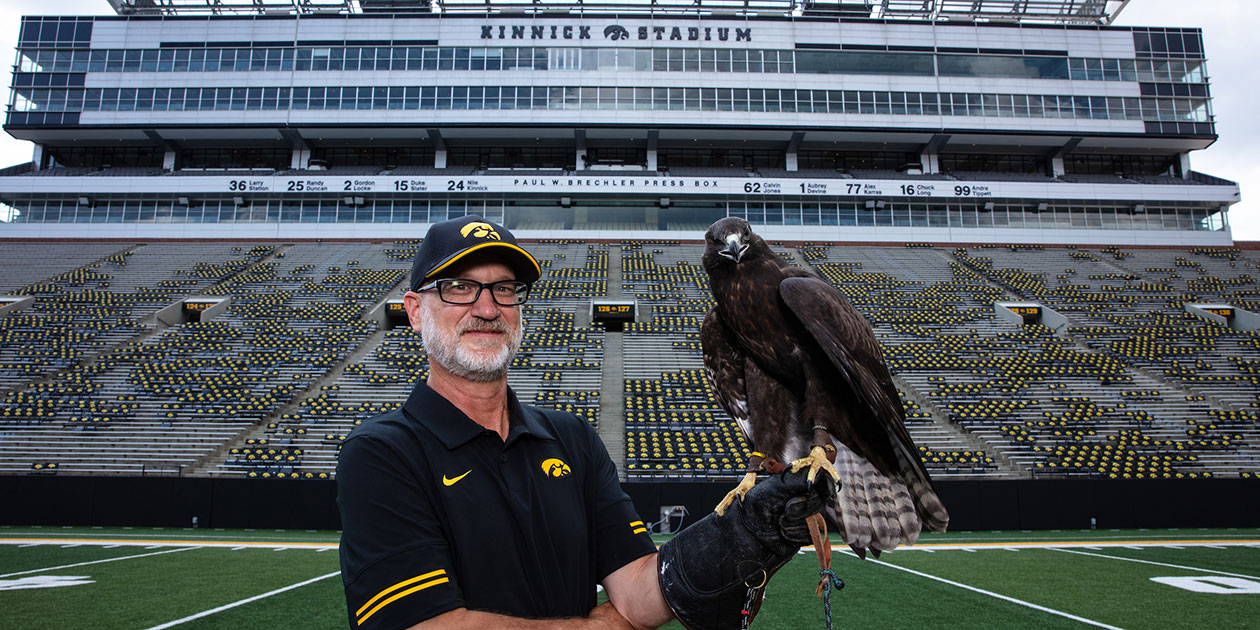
[450,241]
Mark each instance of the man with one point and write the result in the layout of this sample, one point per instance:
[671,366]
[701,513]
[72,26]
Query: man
[466,509]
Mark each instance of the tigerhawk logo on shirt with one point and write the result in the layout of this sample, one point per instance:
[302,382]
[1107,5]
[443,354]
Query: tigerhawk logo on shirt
[479,230]
[555,468]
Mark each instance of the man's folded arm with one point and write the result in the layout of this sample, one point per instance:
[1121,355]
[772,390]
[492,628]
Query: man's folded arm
[635,591]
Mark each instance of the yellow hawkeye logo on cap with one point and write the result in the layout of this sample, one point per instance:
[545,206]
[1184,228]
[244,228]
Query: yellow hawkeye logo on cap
[447,481]
[555,468]
[479,230]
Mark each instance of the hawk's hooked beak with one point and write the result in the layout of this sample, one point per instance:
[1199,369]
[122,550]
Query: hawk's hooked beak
[735,248]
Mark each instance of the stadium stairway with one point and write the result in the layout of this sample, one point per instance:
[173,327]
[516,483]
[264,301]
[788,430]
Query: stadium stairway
[216,462]
[940,435]
[612,405]
[361,277]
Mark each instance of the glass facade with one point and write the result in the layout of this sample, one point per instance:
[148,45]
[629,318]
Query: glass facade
[1173,109]
[1090,215]
[735,60]
[58,76]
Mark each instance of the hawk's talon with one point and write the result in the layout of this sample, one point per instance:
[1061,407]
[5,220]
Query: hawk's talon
[817,459]
[745,484]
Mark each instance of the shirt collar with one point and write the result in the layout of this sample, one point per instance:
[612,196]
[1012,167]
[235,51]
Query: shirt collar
[454,429]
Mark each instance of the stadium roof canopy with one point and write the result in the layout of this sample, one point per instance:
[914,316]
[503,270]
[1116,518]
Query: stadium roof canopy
[1043,11]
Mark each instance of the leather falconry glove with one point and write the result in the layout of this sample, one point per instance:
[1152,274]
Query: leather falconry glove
[714,573]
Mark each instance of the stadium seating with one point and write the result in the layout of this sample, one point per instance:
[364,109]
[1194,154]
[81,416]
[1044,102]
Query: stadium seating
[1133,386]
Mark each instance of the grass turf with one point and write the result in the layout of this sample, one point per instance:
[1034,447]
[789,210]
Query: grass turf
[1097,585]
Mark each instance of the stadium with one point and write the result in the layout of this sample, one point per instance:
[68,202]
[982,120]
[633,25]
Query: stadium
[205,257]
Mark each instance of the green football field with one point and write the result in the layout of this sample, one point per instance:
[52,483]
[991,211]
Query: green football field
[54,577]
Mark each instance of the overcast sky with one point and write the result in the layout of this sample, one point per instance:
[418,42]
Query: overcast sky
[1229,27]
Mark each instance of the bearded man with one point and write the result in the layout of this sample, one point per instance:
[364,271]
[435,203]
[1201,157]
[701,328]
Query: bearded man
[467,509]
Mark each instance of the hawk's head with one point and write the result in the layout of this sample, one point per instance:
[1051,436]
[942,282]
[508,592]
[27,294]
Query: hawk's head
[730,239]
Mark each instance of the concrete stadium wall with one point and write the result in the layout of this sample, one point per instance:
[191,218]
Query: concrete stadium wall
[301,504]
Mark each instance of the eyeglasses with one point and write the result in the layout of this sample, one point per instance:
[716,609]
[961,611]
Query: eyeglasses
[464,291]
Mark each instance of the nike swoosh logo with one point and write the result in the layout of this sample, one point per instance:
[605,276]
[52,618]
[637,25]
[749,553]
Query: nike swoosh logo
[447,481]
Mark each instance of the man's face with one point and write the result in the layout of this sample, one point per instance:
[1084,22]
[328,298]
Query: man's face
[472,341]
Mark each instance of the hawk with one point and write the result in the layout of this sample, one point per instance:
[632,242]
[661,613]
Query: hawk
[799,370]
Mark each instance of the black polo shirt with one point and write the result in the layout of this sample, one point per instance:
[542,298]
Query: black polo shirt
[439,513]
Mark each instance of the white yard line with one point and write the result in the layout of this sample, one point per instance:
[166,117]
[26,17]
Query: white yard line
[79,564]
[997,595]
[242,602]
[157,544]
[1160,564]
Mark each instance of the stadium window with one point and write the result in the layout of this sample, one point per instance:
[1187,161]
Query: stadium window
[938,217]
[791,213]
[394,211]
[883,104]
[918,215]
[847,213]
[419,211]
[755,61]
[780,100]
[531,98]
[899,214]
[1004,214]
[691,60]
[1107,218]
[989,105]
[725,99]
[144,99]
[674,59]
[751,211]
[834,101]
[865,218]
[708,99]
[221,60]
[422,59]
[607,98]
[586,59]
[606,59]
[866,102]
[455,208]
[827,214]
[811,213]
[98,61]
[367,60]
[587,97]
[660,59]
[407,58]
[774,213]
[708,60]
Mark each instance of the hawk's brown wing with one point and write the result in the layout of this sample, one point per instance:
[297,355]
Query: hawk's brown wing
[847,340]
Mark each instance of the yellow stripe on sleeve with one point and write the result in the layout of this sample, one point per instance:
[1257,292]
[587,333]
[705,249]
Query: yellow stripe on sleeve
[405,593]
[640,530]
[635,523]
[418,578]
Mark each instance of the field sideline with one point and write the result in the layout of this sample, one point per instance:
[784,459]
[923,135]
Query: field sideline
[54,577]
